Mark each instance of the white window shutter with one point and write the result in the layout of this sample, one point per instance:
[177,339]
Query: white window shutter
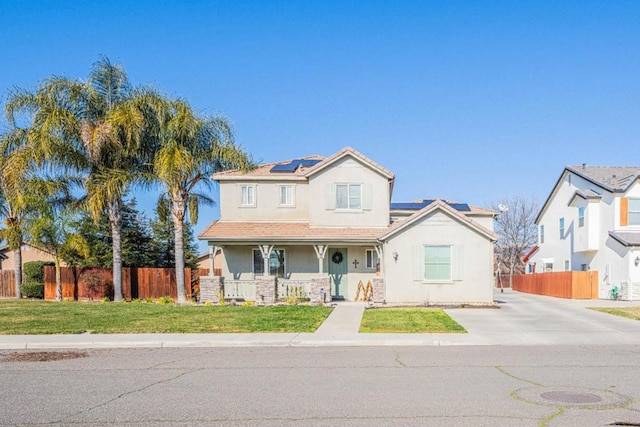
[457,264]
[367,197]
[330,196]
[418,263]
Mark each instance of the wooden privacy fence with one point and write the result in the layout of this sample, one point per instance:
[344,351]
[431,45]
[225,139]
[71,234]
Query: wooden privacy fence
[136,282]
[7,284]
[563,284]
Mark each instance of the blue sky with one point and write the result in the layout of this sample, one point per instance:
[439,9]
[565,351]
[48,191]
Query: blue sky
[466,100]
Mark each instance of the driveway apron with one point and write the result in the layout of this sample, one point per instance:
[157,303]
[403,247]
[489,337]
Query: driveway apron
[526,319]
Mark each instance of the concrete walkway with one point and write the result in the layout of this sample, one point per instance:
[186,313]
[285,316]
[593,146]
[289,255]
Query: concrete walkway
[522,319]
[344,319]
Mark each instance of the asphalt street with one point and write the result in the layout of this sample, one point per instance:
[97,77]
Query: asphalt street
[326,386]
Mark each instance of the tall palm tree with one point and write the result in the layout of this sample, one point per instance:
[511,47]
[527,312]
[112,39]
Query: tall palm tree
[13,198]
[99,128]
[191,149]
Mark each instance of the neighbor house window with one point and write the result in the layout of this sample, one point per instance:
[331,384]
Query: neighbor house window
[548,267]
[566,265]
[542,234]
[634,211]
[581,217]
[286,195]
[561,228]
[247,195]
[349,196]
[437,263]
[276,263]
[370,259]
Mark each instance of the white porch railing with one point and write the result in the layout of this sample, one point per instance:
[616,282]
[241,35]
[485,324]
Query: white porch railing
[294,288]
[240,289]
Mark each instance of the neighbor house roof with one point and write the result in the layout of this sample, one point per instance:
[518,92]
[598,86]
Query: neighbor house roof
[444,207]
[243,232]
[615,179]
[626,238]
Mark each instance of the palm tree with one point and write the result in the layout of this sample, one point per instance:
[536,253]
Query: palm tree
[13,198]
[191,149]
[99,128]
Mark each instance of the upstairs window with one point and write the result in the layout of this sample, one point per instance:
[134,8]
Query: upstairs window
[349,196]
[561,228]
[286,195]
[247,195]
[581,217]
[541,234]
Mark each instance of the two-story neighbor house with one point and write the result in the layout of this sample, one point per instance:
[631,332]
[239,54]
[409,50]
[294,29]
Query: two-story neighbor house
[330,221]
[591,221]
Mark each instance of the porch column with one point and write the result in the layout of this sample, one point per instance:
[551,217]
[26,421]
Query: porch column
[212,255]
[321,251]
[380,253]
[266,250]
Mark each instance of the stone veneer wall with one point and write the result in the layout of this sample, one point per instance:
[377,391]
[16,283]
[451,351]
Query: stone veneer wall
[266,290]
[320,290]
[378,290]
[211,287]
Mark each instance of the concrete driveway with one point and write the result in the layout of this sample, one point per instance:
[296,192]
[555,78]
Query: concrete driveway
[526,319]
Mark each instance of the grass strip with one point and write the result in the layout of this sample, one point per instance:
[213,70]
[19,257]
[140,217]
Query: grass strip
[44,317]
[408,320]
[628,312]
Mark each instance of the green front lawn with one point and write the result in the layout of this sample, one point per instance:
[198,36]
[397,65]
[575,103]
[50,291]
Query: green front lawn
[43,317]
[630,312]
[409,320]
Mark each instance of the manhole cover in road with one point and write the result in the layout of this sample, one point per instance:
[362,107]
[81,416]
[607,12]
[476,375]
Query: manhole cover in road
[570,397]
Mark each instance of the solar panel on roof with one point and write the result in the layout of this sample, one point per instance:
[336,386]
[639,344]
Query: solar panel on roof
[284,167]
[309,162]
[460,206]
[293,165]
[416,206]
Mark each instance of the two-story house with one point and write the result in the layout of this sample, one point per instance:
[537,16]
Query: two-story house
[591,221]
[328,224]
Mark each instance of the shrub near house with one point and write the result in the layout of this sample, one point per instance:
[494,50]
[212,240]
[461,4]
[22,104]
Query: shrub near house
[34,279]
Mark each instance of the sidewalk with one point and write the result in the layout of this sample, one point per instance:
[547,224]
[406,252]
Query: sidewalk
[522,319]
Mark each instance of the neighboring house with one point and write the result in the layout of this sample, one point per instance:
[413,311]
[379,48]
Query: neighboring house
[29,253]
[204,261]
[591,221]
[332,219]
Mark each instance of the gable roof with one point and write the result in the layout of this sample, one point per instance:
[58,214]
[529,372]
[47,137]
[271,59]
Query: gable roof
[614,179]
[444,207]
[350,152]
[265,171]
[416,205]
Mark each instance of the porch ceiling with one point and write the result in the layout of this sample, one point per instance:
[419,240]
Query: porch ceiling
[245,232]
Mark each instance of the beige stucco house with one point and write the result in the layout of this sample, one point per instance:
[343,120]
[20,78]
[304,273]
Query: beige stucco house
[327,227]
[29,253]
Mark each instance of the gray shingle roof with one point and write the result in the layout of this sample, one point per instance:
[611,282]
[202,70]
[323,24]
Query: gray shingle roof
[612,178]
[627,238]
